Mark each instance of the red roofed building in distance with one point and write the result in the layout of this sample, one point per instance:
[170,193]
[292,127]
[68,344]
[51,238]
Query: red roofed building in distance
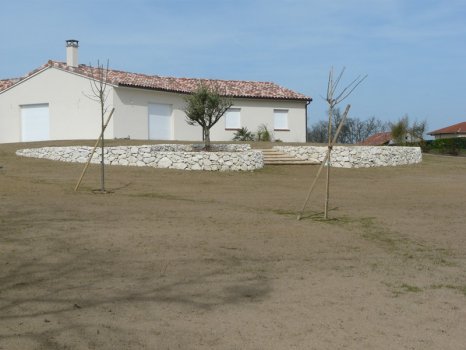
[456,130]
[379,139]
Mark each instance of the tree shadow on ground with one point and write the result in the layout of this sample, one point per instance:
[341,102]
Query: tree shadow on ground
[46,301]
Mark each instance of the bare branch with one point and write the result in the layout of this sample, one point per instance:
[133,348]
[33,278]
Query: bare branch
[357,82]
[335,85]
[332,86]
[329,84]
[98,81]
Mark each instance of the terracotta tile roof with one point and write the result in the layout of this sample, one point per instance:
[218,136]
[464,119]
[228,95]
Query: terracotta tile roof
[230,88]
[5,84]
[459,128]
[378,139]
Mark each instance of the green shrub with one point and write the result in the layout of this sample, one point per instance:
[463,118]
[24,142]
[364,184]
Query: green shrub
[263,133]
[243,134]
[425,145]
[451,146]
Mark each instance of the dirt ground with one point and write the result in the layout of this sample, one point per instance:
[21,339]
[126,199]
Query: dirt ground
[206,260]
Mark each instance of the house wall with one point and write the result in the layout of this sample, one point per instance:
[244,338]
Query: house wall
[131,116]
[448,136]
[72,115]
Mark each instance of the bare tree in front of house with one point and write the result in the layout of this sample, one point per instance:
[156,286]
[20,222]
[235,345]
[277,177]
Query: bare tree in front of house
[405,132]
[205,107]
[417,130]
[333,99]
[99,92]
[399,130]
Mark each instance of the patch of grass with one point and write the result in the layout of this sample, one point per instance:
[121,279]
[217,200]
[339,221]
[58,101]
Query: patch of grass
[461,289]
[166,196]
[409,288]
[373,232]
[442,261]
[403,289]
[315,216]
[155,195]
[284,212]
[408,248]
[368,228]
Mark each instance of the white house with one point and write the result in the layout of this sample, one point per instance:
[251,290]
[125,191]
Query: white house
[52,103]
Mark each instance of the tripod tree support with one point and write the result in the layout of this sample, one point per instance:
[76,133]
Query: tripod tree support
[93,150]
[324,161]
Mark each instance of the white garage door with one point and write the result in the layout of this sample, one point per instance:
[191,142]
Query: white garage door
[160,121]
[35,124]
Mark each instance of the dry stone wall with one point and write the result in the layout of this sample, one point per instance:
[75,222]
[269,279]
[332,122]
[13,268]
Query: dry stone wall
[357,156]
[185,157]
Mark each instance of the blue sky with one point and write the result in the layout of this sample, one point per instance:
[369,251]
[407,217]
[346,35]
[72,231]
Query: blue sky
[414,51]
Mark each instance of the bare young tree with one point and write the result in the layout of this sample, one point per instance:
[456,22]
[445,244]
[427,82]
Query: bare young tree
[417,130]
[400,130]
[403,131]
[324,161]
[333,99]
[99,93]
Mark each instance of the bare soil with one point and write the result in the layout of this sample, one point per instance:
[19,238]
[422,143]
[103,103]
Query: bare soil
[207,260]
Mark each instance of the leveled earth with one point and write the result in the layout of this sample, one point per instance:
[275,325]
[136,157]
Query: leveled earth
[207,260]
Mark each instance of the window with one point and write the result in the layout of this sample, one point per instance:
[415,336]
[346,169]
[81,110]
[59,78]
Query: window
[280,119]
[233,119]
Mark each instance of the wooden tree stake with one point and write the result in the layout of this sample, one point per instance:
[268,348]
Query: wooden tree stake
[325,160]
[93,150]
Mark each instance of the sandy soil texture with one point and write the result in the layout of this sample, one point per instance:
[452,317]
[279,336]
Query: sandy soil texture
[205,260]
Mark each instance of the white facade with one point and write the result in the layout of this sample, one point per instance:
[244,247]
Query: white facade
[448,136]
[139,113]
[72,115]
[132,113]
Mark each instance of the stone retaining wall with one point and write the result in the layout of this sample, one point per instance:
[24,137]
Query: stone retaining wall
[357,156]
[185,157]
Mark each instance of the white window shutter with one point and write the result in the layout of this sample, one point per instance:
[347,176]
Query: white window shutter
[233,118]
[280,117]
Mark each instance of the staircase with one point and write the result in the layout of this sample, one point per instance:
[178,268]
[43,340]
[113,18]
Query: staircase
[273,157]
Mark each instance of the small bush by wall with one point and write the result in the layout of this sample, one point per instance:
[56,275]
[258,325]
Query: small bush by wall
[451,146]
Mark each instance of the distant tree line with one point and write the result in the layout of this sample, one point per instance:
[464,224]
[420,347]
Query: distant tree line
[404,131]
[354,130]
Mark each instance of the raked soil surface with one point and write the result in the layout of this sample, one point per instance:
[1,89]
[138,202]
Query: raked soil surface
[207,260]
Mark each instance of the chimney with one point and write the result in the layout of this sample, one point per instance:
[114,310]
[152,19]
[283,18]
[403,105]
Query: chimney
[72,53]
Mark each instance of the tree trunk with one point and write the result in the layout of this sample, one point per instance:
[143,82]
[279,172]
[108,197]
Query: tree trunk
[327,185]
[207,139]
[102,171]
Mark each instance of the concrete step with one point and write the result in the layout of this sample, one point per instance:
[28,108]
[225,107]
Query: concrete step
[289,162]
[273,157]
